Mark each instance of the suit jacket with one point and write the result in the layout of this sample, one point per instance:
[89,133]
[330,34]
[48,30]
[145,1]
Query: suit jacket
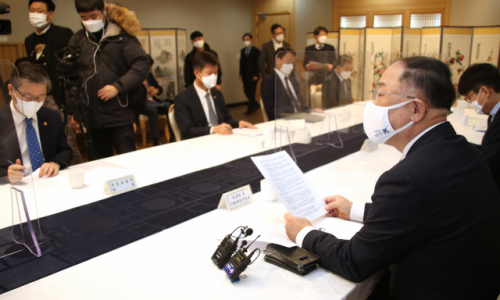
[191,117]
[434,220]
[249,64]
[267,58]
[333,93]
[188,66]
[52,138]
[490,147]
[275,96]
[325,55]
[57,39]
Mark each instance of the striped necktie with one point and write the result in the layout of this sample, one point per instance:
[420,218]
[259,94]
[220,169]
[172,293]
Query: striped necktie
[34,149]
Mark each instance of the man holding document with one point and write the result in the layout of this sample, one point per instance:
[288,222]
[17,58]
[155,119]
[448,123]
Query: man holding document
[434,220]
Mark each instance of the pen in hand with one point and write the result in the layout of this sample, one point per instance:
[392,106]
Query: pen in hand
[14,164]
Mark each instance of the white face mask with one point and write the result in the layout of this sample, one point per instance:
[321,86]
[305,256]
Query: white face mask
[94,25]
[376,122]
[38,20]
[28,108]
[279,38]
[287,69]
[247,43]
[209,81]
[476,107]
[199,44]
[345,74]
[322,39]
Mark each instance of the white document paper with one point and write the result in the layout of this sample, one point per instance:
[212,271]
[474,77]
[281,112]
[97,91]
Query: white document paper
[248,132]
[291,185]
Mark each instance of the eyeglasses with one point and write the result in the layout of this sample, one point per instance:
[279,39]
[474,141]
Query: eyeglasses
[38,11]
[467,98]
[31,98]
[375,94]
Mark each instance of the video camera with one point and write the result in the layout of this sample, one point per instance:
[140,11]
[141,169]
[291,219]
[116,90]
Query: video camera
[5,25]
[69,67]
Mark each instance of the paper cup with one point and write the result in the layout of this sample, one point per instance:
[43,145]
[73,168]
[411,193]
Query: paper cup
[302,136]
[464,119]
[346,115]
[267,192]
[76,178]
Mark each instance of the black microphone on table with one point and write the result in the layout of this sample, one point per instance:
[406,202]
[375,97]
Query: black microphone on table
[240,261]
[228,246]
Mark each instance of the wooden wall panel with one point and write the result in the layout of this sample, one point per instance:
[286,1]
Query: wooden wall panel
[12,51]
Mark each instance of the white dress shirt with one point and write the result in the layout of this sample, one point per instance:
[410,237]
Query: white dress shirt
[43,31]
[494,111]
[21,135]
[277,45]
[358,208]
[282,76]
[202,95]
[319,47]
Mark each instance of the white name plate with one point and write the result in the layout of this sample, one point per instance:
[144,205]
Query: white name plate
[369,146]
[120,185]
[236,198]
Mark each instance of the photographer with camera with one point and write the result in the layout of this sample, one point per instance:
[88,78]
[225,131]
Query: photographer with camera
[41,47]
[114,68]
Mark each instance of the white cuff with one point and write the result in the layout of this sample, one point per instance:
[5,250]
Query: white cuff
[358,211]
[302,234]
[211,129]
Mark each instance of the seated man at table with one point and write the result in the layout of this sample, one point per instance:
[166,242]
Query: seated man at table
[480,85]
[434,220]
[336,89]
[32,136]
[200,109]
[280,90]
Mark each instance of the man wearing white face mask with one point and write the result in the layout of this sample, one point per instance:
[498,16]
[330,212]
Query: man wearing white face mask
[268,51]
[199,45]
[320,52]
[200,109]
[480,85]
[41,47]
[32,136]
[336,89]
[434,216]
[114,69]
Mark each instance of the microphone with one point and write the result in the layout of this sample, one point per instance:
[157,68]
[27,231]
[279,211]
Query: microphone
[239,262]
[228,246]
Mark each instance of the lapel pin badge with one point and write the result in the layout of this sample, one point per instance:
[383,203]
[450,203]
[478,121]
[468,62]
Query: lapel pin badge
[44,123]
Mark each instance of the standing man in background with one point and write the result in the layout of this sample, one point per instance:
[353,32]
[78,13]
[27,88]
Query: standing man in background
[41,47]
[320,52]
[266,58]
[249,72]
[336,89]
[199,45]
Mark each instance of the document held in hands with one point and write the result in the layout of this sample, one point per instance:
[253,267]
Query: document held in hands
[291,185]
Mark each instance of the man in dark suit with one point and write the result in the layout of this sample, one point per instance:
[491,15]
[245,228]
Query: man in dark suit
[199,45]
[336,89]
[279,90]
[249,72]
[200,109]
[41,47]
[480,85]
[266,58]
[435,215]
[320,52]
[32,136]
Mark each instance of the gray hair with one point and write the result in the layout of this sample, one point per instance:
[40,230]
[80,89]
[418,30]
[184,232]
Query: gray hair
[31,73]
[345,58]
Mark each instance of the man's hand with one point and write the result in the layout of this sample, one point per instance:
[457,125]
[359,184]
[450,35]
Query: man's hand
[244,124]
[318,110]
[338,206]
[309,67]
[240,77]
[153,91]
[107,93]
[49,169]
[223,129]
[294,225]
[218,87]
[329,67]
[74,124]
[255,78]
[15,172]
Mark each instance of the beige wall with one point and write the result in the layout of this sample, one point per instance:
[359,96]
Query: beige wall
[222,22]
[475,12]
[309,15]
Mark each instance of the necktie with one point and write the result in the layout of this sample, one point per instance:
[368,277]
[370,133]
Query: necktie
[320,47]
[490,118]
[212,117]
[247,51]
[292,97]
[34,149]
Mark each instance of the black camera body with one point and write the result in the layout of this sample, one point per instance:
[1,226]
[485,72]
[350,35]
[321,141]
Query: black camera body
[69,67]
[5,25]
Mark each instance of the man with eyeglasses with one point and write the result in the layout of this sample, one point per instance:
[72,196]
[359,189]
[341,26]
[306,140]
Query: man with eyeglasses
[434,221]
[32,136]
[480,85]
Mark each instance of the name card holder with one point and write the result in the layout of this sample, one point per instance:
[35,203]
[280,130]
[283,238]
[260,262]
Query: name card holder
[120,185]
[236,198]
[369,146]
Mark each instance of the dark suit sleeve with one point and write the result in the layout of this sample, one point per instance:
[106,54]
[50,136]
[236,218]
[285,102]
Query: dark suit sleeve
[62,153]
[262,61]
[242,53]
[267,94]
[490,148]
[185,119]
[395,226]
[256,72]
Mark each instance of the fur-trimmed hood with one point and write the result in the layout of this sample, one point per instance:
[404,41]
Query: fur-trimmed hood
[123,17]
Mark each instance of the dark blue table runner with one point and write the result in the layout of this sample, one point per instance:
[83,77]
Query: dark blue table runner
[81,233]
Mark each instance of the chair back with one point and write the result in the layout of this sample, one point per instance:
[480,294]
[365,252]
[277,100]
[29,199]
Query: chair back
[264,115]
[173,123]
